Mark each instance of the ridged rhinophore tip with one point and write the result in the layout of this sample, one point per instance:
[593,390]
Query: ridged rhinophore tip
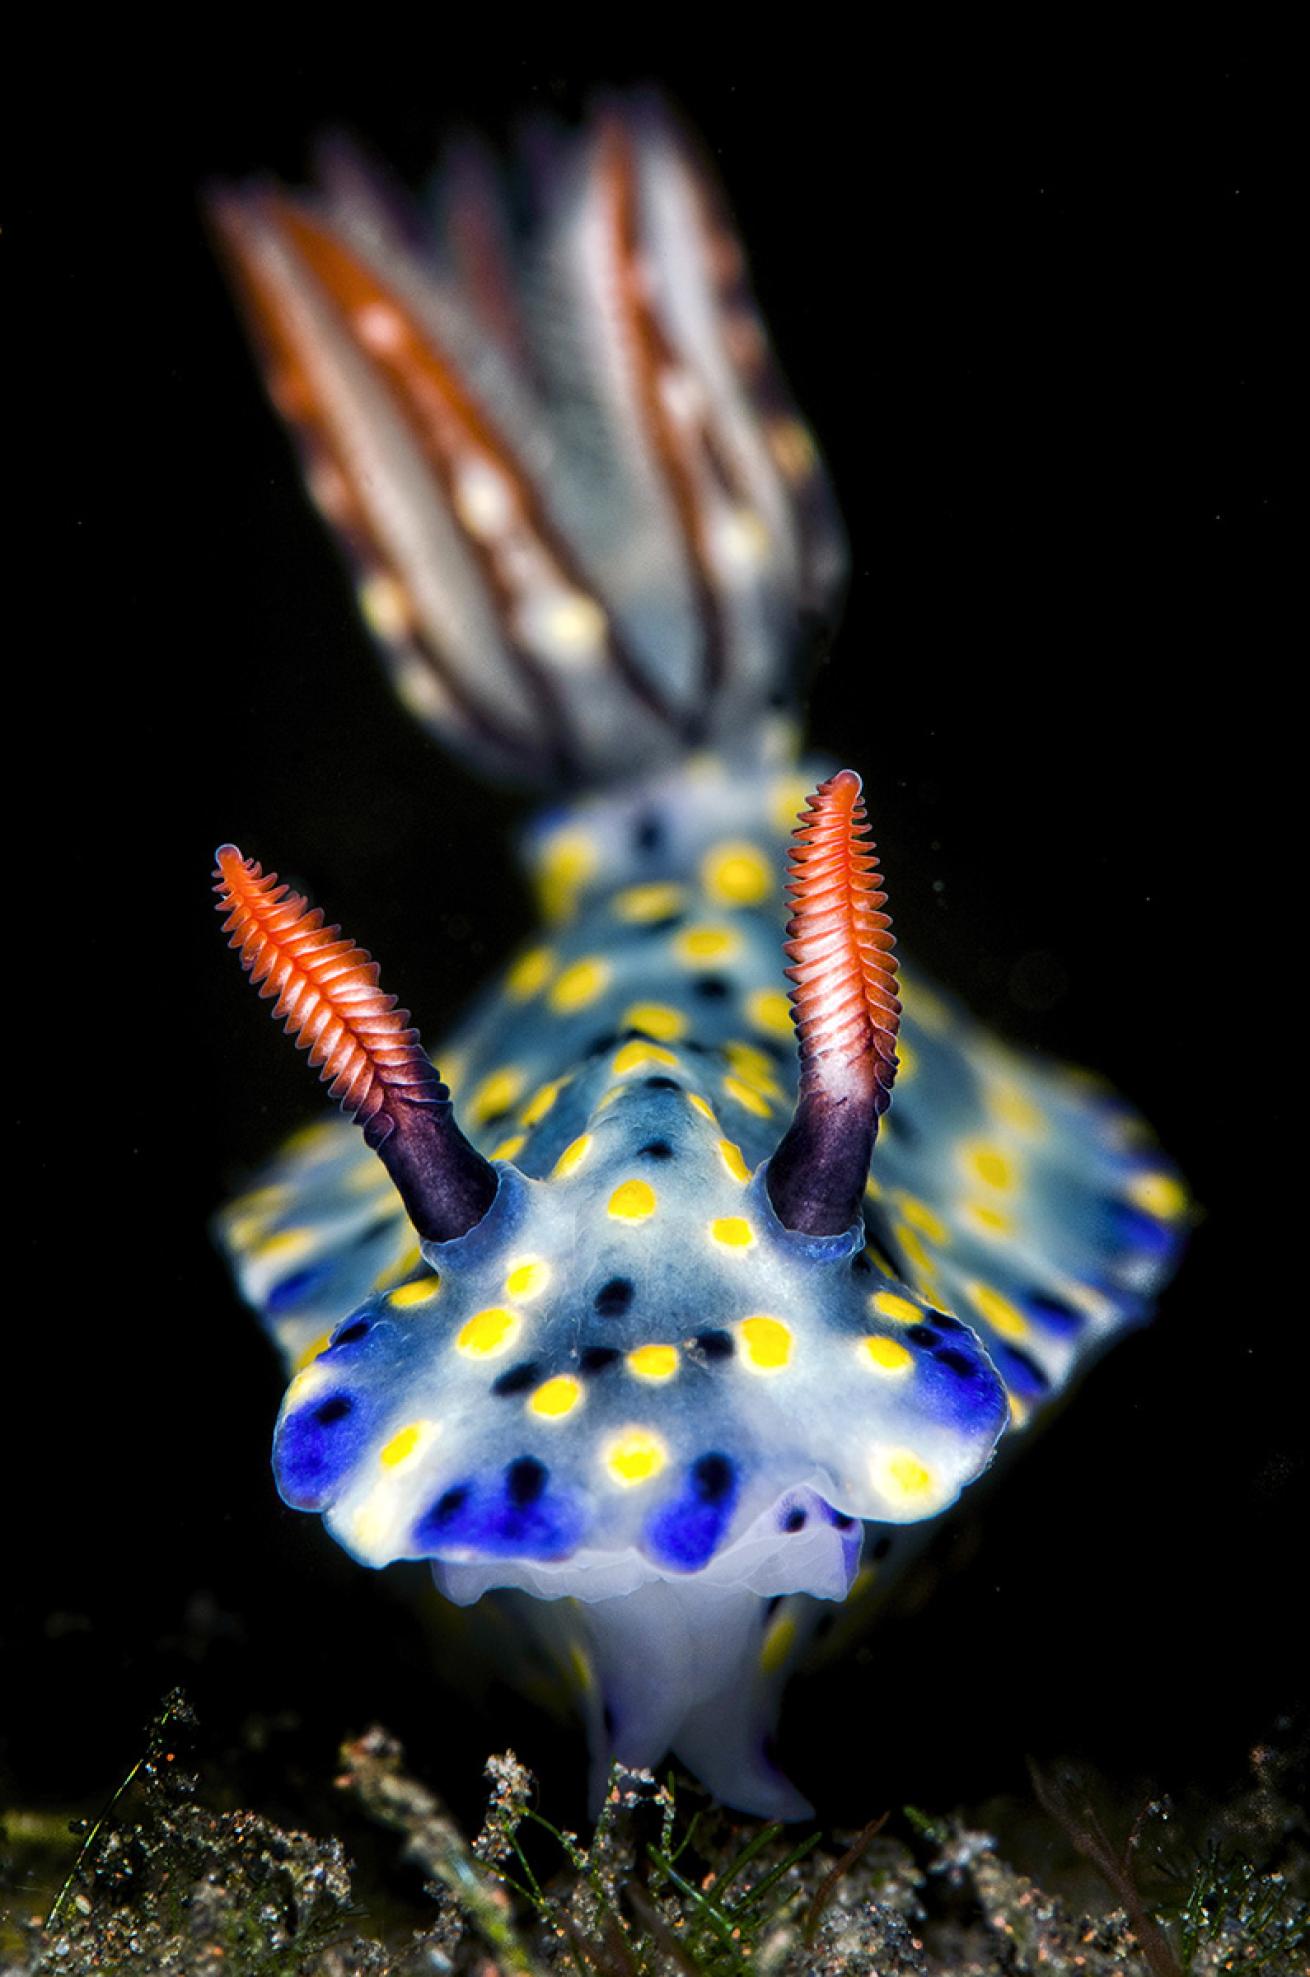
[359,1042]
[845,1009]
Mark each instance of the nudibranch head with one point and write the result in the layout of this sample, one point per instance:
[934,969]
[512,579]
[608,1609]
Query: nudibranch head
[665,1351]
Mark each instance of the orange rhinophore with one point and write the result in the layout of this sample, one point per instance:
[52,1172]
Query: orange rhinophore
[845,1009]
[359,1042]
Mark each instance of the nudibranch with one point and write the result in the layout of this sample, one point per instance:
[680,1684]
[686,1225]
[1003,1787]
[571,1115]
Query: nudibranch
[669,1333]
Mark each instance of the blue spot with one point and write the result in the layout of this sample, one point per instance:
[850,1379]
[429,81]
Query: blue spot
[515,1515]
[295,1289]
[686,1532]
[316,1446]
[1054,1314]
[1140,1232]
[1021,1374]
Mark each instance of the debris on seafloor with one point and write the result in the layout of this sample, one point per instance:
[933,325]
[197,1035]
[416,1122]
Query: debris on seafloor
[163,1885]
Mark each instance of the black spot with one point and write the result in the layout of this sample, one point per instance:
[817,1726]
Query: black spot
[825,1626]
[664,925]
[862,1264]
[597,1357]
[945,1323]
[956,1361]
[661,1084]
[333,1410]
[922,1334]
[613,1298]
[712,988]
[711,1478]
[647,832]
[795,1520]
[358,1328]
[449,1505]
[518,1379]
[608,1720]
[899,1126]
[656,1150]
[771,1605]
[880,1549]
[497,1118]
[631,1035]
[606,1042]
[780,1052]
[715,1345]
[840,1521]
[526,1479]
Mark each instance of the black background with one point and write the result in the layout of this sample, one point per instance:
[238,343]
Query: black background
[1035,302]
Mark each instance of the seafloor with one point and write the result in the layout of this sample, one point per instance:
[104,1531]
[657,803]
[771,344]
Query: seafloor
[170,1880]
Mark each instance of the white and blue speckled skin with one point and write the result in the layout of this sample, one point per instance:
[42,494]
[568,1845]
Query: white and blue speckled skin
[629,1400]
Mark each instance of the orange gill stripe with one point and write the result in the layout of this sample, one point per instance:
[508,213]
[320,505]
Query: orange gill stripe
[327,989]
[450,427]
[841,948]
[654,361]
[453,429]
[281,342]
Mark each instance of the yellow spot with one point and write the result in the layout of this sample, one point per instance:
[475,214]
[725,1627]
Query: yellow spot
[527,1278]
[635,1455]
[529,974]
[706,943]
[926,1220]
[403,1267]
[1159,1194]
[899,1309]
[769,1009]
[912,1249]
[565,862]
[900,1476]
[703,1106]
[369,1177]
[1018,1410]
[766,1342]
[310,1380]
[753,1064]
[926,1009]
[736,874]
[311,1352]
[730,1154]
[907,1061]
[408,1442]
[497,1092]
[1001,1315]
[658,1019]
[489,1332]
[636,1053]
[541,1101]
[453,1069]
[322,1138]
[778,1643]
[421,1291]
[573,1156]
[886,1355]
[580,984]
[985,1220]
[989,1164]
[787,799]
[751,1100]
[640,904]
[656,1363]
[509,1149]
[632,1201]
[873,1188]
[556,1398]
[583,1673]
[287,1246]
[1013,1108]
[733,1231]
